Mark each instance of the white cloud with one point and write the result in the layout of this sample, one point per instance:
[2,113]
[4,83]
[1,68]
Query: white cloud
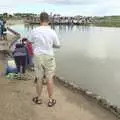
[87,7]
[15,2]
[69,2]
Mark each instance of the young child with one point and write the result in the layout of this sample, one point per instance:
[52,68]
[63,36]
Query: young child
[5,34]
[1,28]
[0,32]
[20,56]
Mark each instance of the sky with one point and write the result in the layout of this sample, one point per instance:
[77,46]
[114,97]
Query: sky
[63,7]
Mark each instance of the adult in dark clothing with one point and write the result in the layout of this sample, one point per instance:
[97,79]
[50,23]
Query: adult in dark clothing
[20,56]
[27,57]
[29,47]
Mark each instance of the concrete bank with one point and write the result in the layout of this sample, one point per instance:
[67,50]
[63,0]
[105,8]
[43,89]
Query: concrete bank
[92,96]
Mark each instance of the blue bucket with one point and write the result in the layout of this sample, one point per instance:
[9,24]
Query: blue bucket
[11,67]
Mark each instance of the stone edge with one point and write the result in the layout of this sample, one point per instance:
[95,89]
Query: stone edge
[98,99]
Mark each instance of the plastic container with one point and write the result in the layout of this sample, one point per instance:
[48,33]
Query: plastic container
[11,67]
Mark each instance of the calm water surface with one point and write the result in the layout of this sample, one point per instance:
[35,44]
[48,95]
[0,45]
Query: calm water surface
[89,57]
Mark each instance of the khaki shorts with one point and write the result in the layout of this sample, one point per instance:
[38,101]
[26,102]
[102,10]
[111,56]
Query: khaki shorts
[44,65]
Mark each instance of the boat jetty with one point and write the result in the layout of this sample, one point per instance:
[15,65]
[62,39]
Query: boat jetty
[57,19]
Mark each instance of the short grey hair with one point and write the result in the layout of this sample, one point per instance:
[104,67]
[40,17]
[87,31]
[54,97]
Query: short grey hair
[44,17]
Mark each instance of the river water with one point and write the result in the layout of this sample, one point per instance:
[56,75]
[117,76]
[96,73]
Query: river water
[89,57]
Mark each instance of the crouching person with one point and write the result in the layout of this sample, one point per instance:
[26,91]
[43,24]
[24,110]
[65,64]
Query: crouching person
[20,56]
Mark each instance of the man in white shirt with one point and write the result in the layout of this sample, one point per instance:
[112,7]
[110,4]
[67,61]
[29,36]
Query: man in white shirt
[44,40]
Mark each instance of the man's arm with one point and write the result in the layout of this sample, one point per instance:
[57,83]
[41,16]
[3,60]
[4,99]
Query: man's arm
[30,37]
[56,46]
[56,42]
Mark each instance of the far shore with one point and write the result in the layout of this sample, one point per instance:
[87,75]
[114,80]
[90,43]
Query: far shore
[14,22]
[21,21]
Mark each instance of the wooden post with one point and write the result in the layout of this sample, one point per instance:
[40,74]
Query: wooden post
[2,63]
[3,45]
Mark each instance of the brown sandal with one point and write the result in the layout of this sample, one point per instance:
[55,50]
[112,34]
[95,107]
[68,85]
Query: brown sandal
[36,100]
[51,102]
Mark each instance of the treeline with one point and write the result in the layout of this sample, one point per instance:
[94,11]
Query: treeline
[6,15]
[110,21]
[16,15]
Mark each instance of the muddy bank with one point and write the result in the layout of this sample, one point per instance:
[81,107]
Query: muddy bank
[14,22]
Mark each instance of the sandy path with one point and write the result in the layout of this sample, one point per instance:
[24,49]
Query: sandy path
[16,104]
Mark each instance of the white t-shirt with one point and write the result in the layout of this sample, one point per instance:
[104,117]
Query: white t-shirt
[43,39]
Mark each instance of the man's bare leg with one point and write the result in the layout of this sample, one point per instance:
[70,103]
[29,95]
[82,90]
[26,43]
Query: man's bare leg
[50,88]
[39,87]
[50,92]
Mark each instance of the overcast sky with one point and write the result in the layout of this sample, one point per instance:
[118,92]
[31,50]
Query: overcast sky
[64,7]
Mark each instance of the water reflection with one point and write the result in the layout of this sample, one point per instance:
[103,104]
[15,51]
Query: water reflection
[94,42]
[60,28]
[30,26]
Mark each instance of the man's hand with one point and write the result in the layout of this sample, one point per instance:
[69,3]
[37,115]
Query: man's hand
[56,46]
